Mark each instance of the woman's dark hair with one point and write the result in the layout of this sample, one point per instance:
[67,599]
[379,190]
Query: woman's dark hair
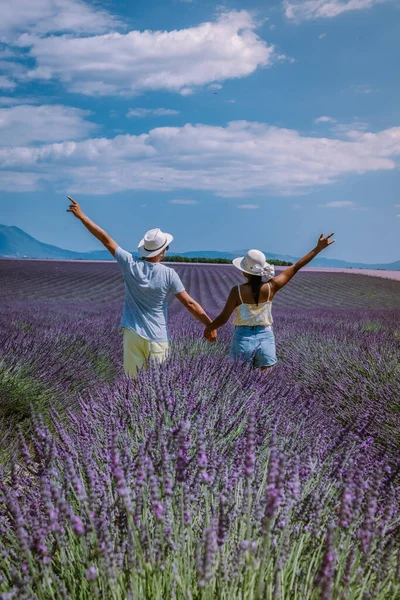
[256,283]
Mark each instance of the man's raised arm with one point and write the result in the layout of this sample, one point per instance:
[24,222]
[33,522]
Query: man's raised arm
[94,229]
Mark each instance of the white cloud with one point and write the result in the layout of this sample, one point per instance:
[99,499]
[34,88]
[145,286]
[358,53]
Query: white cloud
[296,206]
[51,16]
[345,204]
[13,72]
[324,120]
[215,86]
[338,204]
[233,161]
[301,10]
[397,205]
[362,89]
[186,91]
[248,206]
[13,100]
[6,53]
[322,36]
[350,130]
[183,201]
[131,63]
[25,124]
[158,112]
[14,181]
[6,83]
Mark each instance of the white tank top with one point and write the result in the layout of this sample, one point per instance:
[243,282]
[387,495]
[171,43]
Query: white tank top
[252,315]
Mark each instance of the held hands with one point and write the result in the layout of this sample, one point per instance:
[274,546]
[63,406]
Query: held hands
[74,208]
[324,242]
[210,334]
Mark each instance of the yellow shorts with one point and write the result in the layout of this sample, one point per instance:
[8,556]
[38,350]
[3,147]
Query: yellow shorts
[138,350]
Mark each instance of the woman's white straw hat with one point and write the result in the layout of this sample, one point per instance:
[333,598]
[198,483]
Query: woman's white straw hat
[254,263]
[154,242]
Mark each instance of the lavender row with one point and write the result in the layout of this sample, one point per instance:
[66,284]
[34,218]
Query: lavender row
[348,362]
[102,282]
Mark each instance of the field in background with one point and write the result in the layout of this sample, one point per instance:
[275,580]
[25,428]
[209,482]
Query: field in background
[201,479]
[210,284]
[383,273]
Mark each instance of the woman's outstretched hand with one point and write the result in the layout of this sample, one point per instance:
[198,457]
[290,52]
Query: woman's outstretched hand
[74,208]
[210,334]
[324,242]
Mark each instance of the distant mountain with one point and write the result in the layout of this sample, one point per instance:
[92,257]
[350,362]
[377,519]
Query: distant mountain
[15,243]
[317,262]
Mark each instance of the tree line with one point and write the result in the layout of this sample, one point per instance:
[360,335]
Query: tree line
[221,261]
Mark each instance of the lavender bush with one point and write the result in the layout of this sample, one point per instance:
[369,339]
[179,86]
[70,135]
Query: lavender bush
[202,478]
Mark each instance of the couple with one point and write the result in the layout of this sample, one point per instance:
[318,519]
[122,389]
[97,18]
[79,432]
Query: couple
[148,285]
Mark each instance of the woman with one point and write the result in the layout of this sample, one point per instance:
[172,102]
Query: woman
[253,340]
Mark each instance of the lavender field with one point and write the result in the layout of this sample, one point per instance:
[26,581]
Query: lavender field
[201,479]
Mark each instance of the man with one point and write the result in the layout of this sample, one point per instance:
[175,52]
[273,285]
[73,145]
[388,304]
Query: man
[148,284]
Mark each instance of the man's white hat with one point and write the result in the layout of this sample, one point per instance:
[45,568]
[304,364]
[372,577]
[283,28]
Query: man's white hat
[254,263]
[154,242]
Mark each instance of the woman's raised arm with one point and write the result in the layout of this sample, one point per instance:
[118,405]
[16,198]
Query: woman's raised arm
[279,281]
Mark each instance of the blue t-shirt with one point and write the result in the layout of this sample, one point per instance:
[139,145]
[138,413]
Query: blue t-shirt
[147,288]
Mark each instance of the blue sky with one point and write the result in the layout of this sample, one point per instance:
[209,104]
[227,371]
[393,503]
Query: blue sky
[250,124]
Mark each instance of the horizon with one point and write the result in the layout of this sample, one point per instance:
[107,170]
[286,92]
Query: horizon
[232,127]
[173,252]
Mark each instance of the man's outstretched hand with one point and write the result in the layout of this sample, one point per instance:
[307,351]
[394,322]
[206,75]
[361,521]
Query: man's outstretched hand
[75,209]
[324,242]
[210,334]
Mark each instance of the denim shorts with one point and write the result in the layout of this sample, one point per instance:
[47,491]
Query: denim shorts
[255,345]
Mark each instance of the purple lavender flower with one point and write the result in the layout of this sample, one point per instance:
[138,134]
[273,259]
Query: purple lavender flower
[250,459]
[368,525]
[157,505]
[223,520]
[119,476]
[77,525]
[325,575]
[206,558]
[272,490]
[18,519]
[183,448]
[91,573]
